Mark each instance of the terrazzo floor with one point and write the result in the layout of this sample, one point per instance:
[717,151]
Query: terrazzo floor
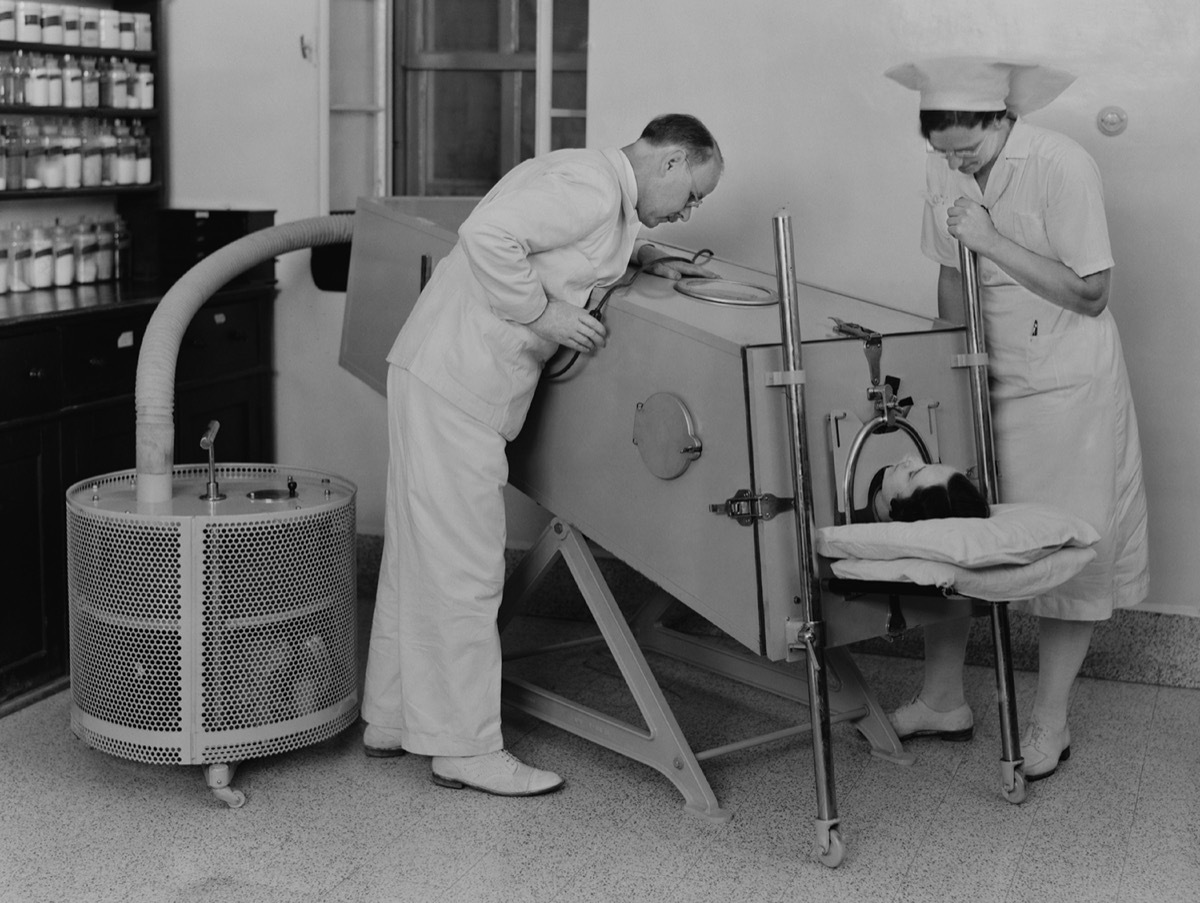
[1120,822]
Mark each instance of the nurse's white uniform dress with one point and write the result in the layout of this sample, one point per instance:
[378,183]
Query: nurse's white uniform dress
[463,372]
[1063,418]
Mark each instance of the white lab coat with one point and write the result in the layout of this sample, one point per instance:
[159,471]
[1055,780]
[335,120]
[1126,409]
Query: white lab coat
[463,372]
[1063,418]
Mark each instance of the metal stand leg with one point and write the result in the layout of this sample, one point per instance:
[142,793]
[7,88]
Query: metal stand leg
[663,746]
[850,699]
[1012,778]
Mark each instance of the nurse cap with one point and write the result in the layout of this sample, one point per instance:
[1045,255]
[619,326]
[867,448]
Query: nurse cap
[978,84]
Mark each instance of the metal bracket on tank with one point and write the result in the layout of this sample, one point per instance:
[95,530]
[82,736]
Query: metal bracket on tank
[746,508]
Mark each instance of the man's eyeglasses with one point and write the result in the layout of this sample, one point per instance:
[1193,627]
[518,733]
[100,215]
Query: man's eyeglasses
[694,199]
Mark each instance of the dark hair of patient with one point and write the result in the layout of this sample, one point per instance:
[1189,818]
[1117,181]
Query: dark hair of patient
[958,498]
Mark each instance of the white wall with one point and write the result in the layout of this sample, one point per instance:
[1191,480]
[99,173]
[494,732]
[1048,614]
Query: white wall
[247,112]
[795,94]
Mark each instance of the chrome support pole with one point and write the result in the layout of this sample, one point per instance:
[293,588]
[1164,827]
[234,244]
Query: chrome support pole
[985,449]
[811,629]
[1012,778]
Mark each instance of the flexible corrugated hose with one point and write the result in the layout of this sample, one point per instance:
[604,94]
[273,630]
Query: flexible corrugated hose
[155,387]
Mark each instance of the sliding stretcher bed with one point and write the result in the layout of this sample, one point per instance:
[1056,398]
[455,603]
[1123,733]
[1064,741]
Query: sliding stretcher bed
[704,447]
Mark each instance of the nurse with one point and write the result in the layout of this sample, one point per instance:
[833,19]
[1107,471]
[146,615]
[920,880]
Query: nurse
[1029,202]
[461,377]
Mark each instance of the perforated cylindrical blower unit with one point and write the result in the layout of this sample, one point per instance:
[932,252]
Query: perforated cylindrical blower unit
[212,608]
[213,632]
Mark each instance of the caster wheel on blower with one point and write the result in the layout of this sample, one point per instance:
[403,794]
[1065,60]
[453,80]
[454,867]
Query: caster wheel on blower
[234,799]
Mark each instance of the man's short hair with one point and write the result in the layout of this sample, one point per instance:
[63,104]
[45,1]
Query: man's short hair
[684,130]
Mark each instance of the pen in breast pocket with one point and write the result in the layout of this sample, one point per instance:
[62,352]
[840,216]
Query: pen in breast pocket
[1034,328]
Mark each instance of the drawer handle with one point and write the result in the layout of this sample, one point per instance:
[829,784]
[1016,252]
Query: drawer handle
[98,362]
[37,373]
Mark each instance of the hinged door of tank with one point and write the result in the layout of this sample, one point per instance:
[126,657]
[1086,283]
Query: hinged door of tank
[935,399]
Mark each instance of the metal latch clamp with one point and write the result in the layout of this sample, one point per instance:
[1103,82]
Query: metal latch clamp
[746,508]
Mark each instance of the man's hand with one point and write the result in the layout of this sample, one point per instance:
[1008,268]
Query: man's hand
[571,326]
[660,263]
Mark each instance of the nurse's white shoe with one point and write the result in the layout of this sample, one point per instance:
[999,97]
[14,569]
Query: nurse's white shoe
[382,742]
[500,773]
[1042,750]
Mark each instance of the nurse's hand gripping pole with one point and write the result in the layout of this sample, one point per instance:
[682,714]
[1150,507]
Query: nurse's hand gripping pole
[1012,777]
[808,632]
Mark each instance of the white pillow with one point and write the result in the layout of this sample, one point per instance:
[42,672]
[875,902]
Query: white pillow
[1001,583]
[1013,534]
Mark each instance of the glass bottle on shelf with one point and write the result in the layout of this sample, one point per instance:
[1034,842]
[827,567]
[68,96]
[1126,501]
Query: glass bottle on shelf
[72,78]
[14,160]
[72,146]
[41,257]
[126,156]
[92,163]
[145,86]
[85,253]
[104,83]
[89,26]
[29,22]
[52,23]
[54,82]
[18,259]
[31,141]
[36,89]
[144,162]
[4,142]
[122,252]
[8,20]
[133,97]
[108,154]
[114,76]
[53,174]
[70,25]
[64,254]
[105,251]
[5,238]
[19,73]
[6,78]
[91,82]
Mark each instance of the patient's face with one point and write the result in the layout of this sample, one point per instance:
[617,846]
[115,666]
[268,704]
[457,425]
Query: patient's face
[903,478]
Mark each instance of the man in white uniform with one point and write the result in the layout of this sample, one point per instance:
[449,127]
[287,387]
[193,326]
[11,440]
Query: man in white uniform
[462,374]
[1030,203]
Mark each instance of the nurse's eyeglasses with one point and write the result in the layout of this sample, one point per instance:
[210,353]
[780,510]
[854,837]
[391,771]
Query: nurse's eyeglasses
[960,153]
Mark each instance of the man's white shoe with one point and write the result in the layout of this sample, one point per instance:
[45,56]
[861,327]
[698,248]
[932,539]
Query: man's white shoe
[500,773]
[382,742]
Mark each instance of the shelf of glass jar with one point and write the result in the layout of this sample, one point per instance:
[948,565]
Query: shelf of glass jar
[49,155]
[62,255]
[53,81]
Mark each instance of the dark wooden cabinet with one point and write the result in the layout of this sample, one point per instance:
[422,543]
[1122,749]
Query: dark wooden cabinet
[67,413]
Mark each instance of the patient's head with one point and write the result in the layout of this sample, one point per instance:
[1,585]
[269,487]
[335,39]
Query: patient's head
[912,490]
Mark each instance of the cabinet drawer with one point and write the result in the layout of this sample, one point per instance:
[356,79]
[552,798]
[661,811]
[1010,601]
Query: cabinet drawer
[30,371]
[100,357]
[219,341]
